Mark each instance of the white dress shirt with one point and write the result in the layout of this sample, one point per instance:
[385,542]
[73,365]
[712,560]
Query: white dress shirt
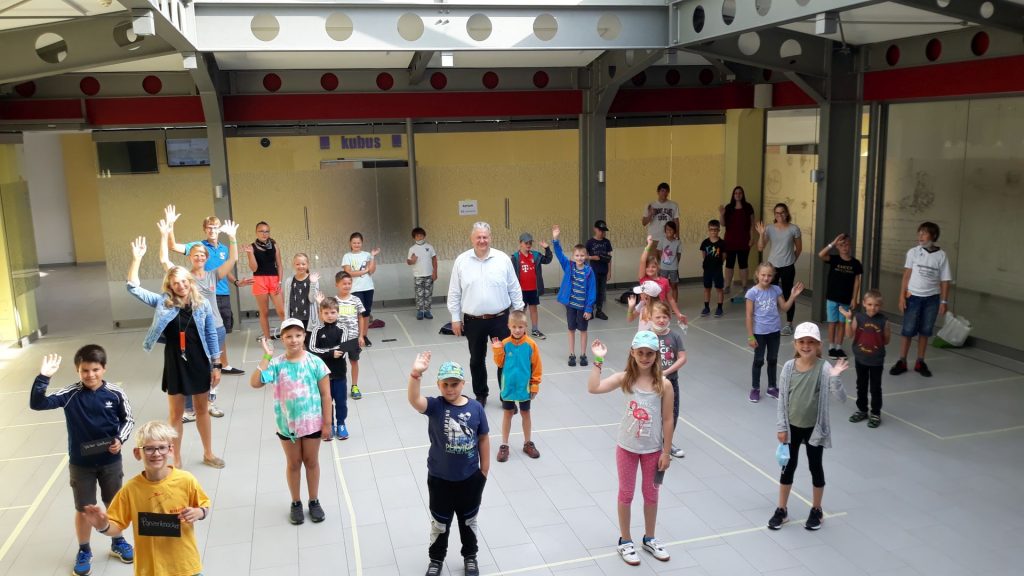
[482,286]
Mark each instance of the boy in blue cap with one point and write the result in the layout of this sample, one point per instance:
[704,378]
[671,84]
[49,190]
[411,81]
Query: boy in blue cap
[457,462]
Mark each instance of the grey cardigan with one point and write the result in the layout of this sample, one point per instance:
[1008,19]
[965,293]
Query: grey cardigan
[822,435]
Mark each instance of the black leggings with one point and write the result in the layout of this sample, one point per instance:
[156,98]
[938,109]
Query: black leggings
[869,377]
[784,277]
[765,343]
[798,436]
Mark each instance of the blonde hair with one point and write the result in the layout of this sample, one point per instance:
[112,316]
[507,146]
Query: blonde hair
[657,306]
[517,317]
[211,221]
[633,373]
[157,430]
[301,254]
[175,301]
[768,265]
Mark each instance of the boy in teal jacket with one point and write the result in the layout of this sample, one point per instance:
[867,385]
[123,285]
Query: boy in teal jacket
[519,360]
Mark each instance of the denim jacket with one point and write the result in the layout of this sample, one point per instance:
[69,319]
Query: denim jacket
[203,316]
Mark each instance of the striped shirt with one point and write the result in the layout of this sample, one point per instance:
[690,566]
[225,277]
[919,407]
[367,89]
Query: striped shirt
[578,296]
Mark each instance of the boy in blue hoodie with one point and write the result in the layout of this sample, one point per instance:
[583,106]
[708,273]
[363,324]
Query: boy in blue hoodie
[577,293]
[99,422]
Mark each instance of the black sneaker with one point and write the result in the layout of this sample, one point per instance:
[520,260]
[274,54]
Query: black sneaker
[435,568]
[814,519]
[600,315]
[839,353]
[921,368]
[316,511]
[858,416]
[538,334]
[232,370]
[572,359]
[706,311]
[778,519]
[482,400]
[367,341]
[719,311]
[898,368]
[583,359]
[472,568]
[297,516]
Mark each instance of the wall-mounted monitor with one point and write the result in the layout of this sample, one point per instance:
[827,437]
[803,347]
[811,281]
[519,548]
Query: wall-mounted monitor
[188,152]
[138,157]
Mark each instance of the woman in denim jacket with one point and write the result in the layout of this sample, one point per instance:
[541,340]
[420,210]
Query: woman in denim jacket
[191,351]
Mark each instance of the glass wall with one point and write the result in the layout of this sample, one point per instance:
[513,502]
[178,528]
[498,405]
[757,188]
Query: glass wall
[958,164]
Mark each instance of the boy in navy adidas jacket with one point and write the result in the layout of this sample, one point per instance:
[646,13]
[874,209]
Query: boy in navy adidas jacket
[99,421]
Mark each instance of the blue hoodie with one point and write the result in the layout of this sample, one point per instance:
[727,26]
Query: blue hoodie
[565,290]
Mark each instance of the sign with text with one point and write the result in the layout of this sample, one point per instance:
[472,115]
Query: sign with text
[154,524]
[96,447]
[467,208]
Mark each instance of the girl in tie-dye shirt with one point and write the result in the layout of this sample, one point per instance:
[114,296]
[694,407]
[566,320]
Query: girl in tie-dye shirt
[302,410]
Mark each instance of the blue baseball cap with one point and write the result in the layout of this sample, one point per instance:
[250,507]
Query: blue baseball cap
[451,370]
[646,339]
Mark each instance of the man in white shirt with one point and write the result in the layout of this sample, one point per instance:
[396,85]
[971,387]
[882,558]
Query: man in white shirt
[656,214]
[483,286]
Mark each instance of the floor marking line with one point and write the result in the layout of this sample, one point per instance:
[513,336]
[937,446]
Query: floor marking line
[552,314]
[747,349]
[14,507]
[245,349]
[31,424]
[912,425]
[14,392]
[742,459]
[357,555]
[593,557]
[404,389]
[32,508]
[948,386]
[33,457]
[983,433]
[404,331]
[494,435]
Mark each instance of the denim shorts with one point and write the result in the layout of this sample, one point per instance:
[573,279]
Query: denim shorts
[832,313]
[919,317]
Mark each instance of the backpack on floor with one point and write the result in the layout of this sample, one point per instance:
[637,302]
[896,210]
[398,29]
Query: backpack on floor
[624,298]
[446,330]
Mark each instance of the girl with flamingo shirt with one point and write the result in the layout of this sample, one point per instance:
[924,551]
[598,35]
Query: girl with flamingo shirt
[644,437]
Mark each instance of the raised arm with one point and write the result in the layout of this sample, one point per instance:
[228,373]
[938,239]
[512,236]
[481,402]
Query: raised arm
[251,257]
[419,366]
[165,231]
[595,385]
[762,239]
[824,253]
[171,216]
[649,249]
[256,377]
[784,304]
[371,266]
[138,251]
[231,229]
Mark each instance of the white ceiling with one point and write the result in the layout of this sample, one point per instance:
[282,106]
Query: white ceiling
[24,13]
[884,22]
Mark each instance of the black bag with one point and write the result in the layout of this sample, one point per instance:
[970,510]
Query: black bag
[624,299]
[446,330]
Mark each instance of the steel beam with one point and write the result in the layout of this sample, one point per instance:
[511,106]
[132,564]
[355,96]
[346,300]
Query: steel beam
[957,46]
[1000,14]
[174,19]
[74,45]
[694,22]
[773,49]
[406,26]
[418,66]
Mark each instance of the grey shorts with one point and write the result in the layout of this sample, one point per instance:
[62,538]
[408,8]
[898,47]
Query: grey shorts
[671,275]
[85,478]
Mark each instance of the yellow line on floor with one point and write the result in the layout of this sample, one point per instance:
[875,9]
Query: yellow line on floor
[356,554]
[757,468]
[948,386]
[33,457]
[404,331]
[14,508]
[32,508]
[245,349]
[593,557]
[983,433]
[31,424]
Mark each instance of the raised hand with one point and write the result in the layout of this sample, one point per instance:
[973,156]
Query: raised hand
[555,231]
[839,367]
[846,312]
[171,214]
[315,278]
[598,349]
[374,252]
[841,236]
[268,346]
[139,247]
[760,227]
[229,227]
[650,239]
[319,298]
[51,363]
[165,227]
[421,363]
[721,209]
[248,248]
[495,343]
[798,288]
[544,244]
[631,301]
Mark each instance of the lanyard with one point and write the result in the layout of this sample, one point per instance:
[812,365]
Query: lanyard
[181,334]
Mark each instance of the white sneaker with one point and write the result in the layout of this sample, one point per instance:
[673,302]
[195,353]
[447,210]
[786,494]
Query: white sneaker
[216,412]
[787,330]
[188,417]
[628,552]
[656,549]
[678,452]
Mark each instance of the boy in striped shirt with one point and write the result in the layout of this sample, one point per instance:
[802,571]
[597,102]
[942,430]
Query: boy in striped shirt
[577,293]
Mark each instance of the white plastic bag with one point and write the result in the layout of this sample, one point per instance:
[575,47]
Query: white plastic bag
[955,330]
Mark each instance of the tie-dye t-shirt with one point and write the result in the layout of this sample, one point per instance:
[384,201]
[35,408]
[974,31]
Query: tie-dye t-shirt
[297,406]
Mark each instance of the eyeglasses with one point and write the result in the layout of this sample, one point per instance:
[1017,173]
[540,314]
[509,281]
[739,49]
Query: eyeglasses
[150,450]
[780,213]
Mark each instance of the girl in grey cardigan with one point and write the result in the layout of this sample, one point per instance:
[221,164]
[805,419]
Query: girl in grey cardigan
[803,417]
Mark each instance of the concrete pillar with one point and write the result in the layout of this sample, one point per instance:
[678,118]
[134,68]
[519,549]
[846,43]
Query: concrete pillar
[744,155]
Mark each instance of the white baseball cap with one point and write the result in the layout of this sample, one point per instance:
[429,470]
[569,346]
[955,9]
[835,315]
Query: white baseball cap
[648,287]
[289,322]
[807,330]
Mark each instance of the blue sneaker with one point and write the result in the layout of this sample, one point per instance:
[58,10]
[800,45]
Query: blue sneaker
[83,563]
[419,314]
[122,550]
[428,315]
[342,432]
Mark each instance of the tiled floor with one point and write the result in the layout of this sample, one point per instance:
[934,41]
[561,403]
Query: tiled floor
[934,490]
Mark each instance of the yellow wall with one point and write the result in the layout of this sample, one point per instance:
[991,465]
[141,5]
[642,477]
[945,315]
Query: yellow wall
[18,269]
[744,155]
[9,172]
[80,174]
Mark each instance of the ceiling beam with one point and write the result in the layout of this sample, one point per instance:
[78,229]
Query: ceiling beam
[418,66]
[77,44]
[409,26]
[805,54]
[174,19]
[695,22]
[1004,15]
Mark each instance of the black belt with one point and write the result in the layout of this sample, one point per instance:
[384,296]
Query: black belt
[485,316]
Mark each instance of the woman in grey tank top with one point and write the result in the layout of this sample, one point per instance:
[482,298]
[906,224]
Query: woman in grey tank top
[786,246]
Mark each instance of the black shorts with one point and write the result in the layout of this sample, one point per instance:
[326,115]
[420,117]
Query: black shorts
[313,436]
[224,306]
[732,256]
[351,349]
[574,318]
[366,297]
[85,478]
[524,406]
[714,277]
[530,297]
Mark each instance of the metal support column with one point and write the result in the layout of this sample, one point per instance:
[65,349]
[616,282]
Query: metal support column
[414,197]
[839,157]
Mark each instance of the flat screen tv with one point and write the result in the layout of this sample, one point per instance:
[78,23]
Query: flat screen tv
[138,157]
[188,152]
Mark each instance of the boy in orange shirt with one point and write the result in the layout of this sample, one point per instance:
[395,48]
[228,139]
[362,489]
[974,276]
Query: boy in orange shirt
[519,360]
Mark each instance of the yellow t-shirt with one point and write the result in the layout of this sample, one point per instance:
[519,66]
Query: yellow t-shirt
[157,555]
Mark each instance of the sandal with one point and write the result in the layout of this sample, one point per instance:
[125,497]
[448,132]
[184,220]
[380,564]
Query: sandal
[874,421]
[858,416]
[214,462]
